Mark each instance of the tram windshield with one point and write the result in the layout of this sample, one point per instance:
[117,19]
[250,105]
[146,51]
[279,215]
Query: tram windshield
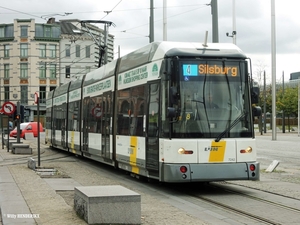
[213,100]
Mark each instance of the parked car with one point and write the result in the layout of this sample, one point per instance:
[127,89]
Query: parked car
[30,127]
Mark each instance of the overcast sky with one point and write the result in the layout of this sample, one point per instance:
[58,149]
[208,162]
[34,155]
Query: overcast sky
[186,21]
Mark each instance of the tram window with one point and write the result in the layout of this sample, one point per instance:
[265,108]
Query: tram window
[124,117]
[138,96]
[131,111]
[95,121]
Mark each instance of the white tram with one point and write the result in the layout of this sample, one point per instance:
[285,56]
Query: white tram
[150,113]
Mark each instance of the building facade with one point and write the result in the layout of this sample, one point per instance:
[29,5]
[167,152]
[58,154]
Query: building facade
[29,52]
[38,57]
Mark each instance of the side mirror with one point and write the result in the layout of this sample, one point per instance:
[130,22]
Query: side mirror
[254,95]
[173,95]
[171,112]
[256,111]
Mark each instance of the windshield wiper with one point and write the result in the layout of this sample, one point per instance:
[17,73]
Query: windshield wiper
[235,122]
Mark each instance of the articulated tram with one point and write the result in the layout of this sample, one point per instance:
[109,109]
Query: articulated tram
[150,113]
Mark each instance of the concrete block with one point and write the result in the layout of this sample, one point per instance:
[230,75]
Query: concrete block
[25,151]
[11,142]
[18,148]
[31,163]
[107,205]
[20,145]
[272,166]
[29,136]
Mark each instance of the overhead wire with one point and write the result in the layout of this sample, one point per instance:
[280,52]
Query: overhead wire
[107,13]
[147,24]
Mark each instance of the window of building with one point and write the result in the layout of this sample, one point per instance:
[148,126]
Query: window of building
[24,94]
[52,50]
[24,31]
[24,70]
[6,51]
[42,96]
[68,50]
[2,32]
[68,71]
[6,93]
[42,50]
[52,88]
[77,50]
[24,50]
[6,31]
[88,51]
[52,71]
[42,70]
[47,31]
[6,71]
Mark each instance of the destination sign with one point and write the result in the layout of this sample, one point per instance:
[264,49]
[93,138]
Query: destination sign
[205,69]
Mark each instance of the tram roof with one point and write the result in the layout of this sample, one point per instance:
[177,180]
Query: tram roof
[159,50]
[61,90]
[170,49]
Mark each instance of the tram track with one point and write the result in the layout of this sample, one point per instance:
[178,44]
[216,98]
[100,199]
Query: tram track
[255,205]
[258,210]
[45,156]
[237,211]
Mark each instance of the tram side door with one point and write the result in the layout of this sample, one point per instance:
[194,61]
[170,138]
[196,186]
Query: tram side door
[63,126]
[106,123]
[54,124]
[86,112]
[152,140]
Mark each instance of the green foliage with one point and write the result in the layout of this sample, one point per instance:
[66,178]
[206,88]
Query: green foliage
[286,101]
[268,98]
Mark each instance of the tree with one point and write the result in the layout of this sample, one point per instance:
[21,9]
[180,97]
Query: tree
[287,101]
[268,98]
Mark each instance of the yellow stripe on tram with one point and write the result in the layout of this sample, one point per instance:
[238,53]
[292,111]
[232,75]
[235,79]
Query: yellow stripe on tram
[217,152]
[133,153]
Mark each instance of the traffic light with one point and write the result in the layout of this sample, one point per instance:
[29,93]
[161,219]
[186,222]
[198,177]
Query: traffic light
[18,117]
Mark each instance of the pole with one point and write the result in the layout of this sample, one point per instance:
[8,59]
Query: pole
[273,44]
[18,122]
[283,116]
[215,28]
[233,23]
[2,134]
[298,108]
[7,134]
[151,35]
[38,130]
[165,20]
[105,42]
[265,105]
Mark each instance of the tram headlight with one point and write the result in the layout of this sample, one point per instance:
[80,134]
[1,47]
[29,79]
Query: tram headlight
[183,151]
[247,150]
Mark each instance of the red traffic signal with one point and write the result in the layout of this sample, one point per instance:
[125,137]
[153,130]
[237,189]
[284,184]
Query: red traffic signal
[18,117]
